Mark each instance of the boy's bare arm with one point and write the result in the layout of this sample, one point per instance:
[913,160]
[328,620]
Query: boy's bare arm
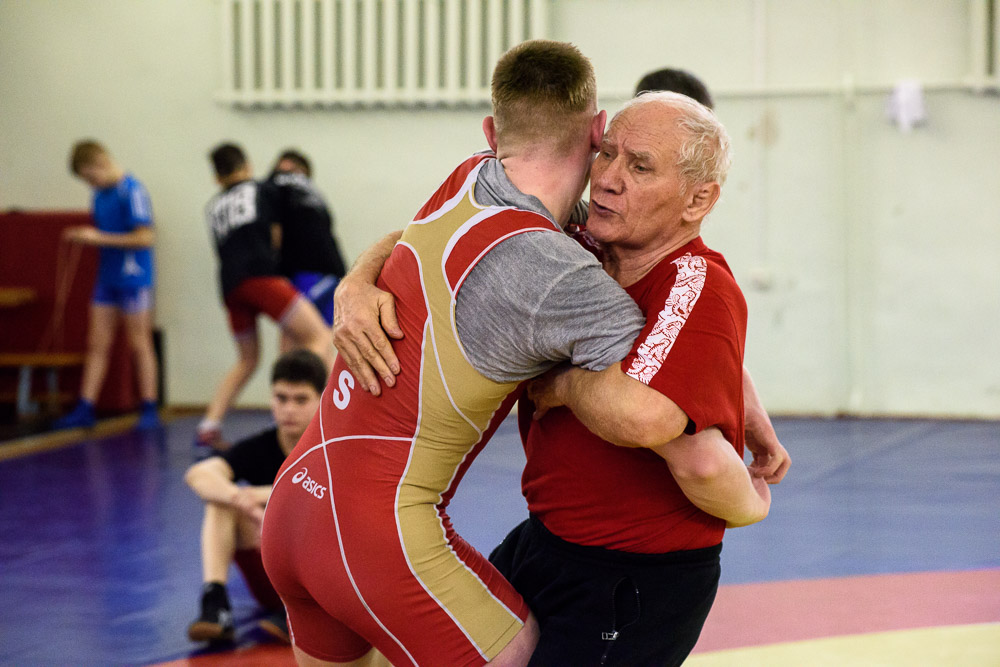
[141,237]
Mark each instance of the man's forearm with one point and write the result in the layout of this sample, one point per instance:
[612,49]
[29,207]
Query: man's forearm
[618,408]
[756,418]
[770,459]
[714,478]
[369,263]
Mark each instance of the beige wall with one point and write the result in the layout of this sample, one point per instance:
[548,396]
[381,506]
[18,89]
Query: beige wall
[868,256]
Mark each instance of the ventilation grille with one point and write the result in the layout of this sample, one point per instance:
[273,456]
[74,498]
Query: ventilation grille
[369,52]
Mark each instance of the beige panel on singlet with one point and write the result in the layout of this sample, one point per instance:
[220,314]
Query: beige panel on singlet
[457,404]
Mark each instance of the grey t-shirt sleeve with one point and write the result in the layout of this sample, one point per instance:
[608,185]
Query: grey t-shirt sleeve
[538,299]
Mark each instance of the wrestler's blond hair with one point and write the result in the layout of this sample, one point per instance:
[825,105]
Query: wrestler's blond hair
[543,91]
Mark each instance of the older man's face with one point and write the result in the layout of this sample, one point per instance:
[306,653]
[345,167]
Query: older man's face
[635,187]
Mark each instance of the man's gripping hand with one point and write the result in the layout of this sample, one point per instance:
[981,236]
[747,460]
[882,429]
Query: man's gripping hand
[548,390]
[364,319]
[770,458]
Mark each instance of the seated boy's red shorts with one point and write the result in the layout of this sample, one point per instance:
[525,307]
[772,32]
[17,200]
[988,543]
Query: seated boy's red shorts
[252,567]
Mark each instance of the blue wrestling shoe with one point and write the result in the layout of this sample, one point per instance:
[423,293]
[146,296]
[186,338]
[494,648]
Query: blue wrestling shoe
[149,417]
[82,416]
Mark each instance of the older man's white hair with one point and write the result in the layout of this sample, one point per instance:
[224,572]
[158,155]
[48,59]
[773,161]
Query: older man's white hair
[704,155]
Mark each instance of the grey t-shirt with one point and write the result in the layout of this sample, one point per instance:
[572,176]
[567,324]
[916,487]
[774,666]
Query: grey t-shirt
[538,299]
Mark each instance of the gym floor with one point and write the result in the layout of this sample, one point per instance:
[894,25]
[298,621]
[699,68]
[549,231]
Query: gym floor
[882,548]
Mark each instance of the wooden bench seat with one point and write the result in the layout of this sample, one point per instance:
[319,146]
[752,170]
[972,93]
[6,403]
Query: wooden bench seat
[12,297]
[26,363]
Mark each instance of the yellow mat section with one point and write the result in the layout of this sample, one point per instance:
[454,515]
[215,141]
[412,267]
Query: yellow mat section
[948,646]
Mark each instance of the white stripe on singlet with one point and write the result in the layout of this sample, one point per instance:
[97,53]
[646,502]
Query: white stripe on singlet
[347,567]
[339,439]
[428,339]
[454,199]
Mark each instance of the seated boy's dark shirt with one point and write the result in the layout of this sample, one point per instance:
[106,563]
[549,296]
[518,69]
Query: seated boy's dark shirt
[256,460]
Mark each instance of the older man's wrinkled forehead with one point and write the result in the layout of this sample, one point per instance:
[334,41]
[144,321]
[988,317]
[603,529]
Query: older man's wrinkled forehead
[645,130]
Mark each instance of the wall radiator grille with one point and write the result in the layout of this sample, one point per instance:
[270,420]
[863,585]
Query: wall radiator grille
[289,53]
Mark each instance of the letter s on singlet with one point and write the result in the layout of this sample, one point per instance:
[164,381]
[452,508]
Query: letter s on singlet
[342,395]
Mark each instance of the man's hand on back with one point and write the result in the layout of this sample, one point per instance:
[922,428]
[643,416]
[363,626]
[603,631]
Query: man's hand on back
[364,319]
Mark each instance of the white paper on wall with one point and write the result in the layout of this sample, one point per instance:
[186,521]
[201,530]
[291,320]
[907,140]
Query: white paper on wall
[905,106]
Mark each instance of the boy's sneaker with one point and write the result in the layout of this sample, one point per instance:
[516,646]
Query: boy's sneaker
[276,625]
[216,621]
[149,417]
[82,416]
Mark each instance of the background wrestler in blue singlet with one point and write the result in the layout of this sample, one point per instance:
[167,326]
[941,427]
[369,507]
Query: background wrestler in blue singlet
[124,235]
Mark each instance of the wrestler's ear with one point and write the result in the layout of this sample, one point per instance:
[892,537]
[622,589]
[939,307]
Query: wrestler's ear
[597,130]
[490,130]
[701,199]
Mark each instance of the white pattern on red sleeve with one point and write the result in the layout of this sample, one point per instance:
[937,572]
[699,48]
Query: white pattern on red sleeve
[691,271]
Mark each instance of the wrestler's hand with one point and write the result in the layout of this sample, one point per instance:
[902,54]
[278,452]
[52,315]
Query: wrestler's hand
[770,458]
[548,390]
[82,234]
[363,317]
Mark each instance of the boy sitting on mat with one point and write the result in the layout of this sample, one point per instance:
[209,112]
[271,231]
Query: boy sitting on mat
[231,527]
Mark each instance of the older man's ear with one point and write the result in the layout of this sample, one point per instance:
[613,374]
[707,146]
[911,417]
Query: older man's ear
[700,201]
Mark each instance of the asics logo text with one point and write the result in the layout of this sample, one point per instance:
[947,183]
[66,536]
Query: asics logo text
[309,484]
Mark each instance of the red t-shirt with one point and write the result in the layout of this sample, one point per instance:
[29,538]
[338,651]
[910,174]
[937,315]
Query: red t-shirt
[591,492]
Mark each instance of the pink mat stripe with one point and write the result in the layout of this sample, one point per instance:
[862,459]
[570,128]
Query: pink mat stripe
[769,613]
[786,611]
